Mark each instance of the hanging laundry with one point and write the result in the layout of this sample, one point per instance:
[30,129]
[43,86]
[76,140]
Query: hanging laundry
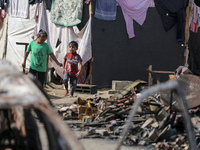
[34,1]
[136,10]
[66,12]
[84,77]
[18,8]
[106,9]
[2,12]
[65,35]
[48,4]
[195,19]
[173,12]
[19,30]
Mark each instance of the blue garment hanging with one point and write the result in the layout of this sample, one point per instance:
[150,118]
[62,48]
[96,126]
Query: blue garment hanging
[106,9]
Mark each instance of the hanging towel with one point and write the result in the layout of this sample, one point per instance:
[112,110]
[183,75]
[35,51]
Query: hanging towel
[67,13]
[173,12]
[106,9]
[65,35]
[134,9]
[194,25]
[18,8]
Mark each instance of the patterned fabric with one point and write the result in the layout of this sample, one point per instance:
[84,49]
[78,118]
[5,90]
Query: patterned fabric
[84,77]
[67,13]
[195,19]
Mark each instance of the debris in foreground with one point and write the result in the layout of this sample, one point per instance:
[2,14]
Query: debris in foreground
[158,120]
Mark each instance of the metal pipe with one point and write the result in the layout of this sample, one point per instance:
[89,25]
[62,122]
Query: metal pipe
[164,86]
[187,120]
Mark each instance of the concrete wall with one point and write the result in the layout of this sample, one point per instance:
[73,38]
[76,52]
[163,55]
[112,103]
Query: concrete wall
[116,57]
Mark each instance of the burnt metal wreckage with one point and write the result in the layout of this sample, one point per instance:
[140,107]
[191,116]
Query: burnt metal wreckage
[19,98]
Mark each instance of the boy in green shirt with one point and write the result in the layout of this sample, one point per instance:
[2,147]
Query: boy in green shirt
[38,59]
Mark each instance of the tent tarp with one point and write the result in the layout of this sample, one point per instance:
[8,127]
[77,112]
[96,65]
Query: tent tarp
[21,30]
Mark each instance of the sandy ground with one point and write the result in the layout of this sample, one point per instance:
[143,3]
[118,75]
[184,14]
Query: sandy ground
[56,95]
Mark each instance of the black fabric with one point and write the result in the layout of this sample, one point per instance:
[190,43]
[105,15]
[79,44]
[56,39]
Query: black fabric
[40,75]
[197,2]
[34,1]
[194,52]
[1,4]
[173,12]
[48,4]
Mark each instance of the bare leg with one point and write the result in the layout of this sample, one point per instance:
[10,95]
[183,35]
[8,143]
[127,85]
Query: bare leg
[65,81]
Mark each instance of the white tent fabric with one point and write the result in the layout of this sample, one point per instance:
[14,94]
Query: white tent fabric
[3,37]
[19,30]
[18,8]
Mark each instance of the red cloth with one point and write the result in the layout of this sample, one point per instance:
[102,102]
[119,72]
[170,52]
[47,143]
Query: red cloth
[84,77]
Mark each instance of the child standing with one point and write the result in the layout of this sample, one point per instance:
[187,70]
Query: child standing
[70,67]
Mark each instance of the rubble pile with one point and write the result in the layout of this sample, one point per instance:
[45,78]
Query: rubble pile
[155,122]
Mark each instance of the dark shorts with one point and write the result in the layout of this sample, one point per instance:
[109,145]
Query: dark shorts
[40,75]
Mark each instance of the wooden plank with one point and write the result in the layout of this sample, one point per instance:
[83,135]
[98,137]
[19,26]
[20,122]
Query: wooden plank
[90,14]
[150,80]
[127,89]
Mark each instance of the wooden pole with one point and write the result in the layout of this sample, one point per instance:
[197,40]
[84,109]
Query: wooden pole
[187,26]
[90,17]
[150,80]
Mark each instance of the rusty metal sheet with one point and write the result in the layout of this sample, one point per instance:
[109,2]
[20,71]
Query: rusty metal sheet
[190,85]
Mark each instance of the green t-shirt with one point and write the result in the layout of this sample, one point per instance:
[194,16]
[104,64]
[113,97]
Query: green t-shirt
[39,52]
